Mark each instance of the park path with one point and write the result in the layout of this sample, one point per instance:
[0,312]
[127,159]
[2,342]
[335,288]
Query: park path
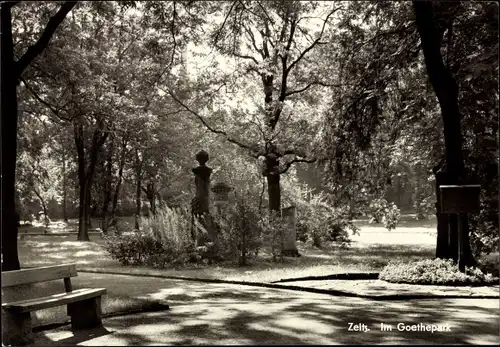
[205,313]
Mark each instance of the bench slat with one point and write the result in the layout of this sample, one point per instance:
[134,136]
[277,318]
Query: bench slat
[39,274]
[53,300]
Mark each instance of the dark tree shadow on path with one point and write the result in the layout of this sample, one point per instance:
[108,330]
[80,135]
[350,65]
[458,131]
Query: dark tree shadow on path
[226,314]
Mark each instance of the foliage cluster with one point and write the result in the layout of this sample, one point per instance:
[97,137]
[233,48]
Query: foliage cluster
[239,230]
[165,240]
[434,271]
[381,211]
[425,207]
[320,222]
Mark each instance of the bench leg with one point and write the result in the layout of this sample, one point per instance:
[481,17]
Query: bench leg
[16,328]
[85,314]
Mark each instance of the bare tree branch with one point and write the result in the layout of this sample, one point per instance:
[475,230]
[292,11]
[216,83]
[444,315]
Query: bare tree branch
[254,43]
[296,160]
[306,34]
[52,108]
[43,41]
[315,42]
[284,58]
[216,38]
[400,29]
[259,126]
[244,56]
[254,152]
[172,31]
[309,85]
[265,12]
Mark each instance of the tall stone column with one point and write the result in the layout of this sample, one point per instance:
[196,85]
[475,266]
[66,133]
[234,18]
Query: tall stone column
[200,203]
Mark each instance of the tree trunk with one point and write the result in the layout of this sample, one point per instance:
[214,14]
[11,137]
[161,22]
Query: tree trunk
[469,257]
[138,177]
[152,204]
[92,208]
[442,243]
[120,179]
[107,191]
[65,188]
[453,237]
[83,211]
[84,190]
[151,195]
[86,176]
[137,202]
[46,219]
[8,104]
[273,184]
[274,193]
[446,90]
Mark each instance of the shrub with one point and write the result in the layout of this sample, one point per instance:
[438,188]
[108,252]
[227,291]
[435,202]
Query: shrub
[381,211]
[391,216]
[490,263]
[425,207]
[135,249]
[485,238]
[170,226]
[434,271]
[165,240]
[319,222]
[376,210]
[273,232]
[239,231]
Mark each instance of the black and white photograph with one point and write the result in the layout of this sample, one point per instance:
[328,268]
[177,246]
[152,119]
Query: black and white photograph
[243,172]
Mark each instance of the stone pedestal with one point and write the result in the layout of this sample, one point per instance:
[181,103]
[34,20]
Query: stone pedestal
[289,217]
[200,203]
[221,196]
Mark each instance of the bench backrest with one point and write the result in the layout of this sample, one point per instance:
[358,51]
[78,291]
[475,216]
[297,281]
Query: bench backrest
[39,274]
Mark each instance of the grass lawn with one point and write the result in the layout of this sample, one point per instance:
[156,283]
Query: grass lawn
[370,252]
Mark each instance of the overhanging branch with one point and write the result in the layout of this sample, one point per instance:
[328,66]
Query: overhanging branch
[296,160]
[216,38]
[315,42]
[35,50]
[52,108]
[252,149]
[314,83]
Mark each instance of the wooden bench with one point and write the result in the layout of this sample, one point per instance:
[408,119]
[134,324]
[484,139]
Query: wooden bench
[24,233]
[83,305]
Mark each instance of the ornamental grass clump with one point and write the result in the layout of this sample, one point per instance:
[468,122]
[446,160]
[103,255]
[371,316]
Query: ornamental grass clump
[164,240]
[436,272]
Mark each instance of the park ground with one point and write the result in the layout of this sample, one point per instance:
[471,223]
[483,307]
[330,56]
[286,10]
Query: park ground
[250,308]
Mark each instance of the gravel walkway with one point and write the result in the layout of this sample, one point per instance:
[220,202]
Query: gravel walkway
[221,314]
